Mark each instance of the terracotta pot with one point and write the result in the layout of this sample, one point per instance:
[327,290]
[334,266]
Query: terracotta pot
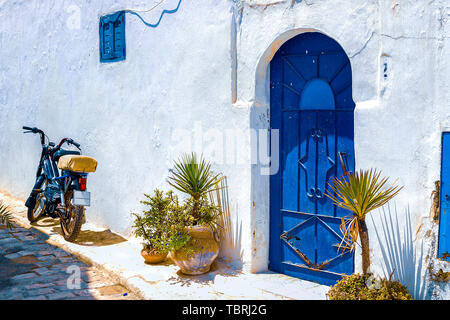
[206,250]
[153,256]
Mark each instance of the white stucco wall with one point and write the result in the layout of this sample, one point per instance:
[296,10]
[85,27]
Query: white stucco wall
[399,113]
[132,115]
[204,70]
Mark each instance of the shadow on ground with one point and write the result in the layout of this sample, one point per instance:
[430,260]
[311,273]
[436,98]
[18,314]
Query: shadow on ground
[94,238]
[86,237]
[218,267]
[31,268]
[10,268]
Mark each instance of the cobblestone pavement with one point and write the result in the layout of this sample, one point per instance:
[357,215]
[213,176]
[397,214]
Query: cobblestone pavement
[30,268]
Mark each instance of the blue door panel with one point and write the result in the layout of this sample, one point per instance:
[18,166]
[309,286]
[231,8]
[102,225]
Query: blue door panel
[304,67]
[317,95]
[292,89]
[444,210]
[294,243]
[344,99]
[329,239]
[311,106]
[344,143]
[290,161]
[310,43]
[342,81]
[327,253]
[291,219]
[326,160]
[306,161]
[322,277]
[330,65]
[275,179]
[290,97]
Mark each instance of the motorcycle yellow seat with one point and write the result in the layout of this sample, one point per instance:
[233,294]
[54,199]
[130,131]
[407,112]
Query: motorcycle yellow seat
[77,163]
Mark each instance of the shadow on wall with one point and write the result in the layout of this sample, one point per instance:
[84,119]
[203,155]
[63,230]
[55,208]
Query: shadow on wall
[401,257]
[230,233]
[230,247]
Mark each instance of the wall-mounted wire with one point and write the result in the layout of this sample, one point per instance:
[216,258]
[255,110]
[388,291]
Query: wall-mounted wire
[135,12]
[148,10]
[112,32]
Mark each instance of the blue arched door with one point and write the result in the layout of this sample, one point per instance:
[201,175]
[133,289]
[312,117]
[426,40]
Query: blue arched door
[311,105]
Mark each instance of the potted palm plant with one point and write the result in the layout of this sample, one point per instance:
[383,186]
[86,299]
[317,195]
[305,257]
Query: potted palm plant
[360,193]
[197,222]
[152,226]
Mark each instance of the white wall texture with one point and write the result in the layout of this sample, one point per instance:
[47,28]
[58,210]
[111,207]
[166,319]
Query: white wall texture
[130,115]
[204,70]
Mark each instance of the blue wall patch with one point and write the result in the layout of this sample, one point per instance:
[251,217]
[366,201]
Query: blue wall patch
[112,37]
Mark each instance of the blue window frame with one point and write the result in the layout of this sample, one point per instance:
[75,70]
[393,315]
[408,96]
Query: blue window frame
[112,37]
[444,210]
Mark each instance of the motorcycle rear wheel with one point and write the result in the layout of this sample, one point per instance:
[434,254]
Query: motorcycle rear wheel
[71,223]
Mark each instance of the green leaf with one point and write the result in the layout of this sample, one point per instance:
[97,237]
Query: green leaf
[6,216]
[193,177]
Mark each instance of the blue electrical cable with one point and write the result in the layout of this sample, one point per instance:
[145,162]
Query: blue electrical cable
[160,18]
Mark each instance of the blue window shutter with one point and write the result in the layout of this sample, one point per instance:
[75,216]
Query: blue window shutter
[108,39]
[444,210]
[119,37]
[112,37]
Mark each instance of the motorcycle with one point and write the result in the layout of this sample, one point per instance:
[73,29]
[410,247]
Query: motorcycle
[60,190]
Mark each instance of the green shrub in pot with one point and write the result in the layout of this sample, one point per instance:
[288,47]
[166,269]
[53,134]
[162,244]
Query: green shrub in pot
[153,227]
[198,218]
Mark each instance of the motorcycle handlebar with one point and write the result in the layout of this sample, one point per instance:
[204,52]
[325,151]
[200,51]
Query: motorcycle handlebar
[61,142]
[76,144]
[69,141]
[34,130]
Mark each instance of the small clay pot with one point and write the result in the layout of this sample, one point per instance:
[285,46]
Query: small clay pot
[153,256]
[206,250]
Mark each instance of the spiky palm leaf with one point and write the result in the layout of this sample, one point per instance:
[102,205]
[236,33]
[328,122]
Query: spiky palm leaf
[6,215]
[193,177]
[359,193]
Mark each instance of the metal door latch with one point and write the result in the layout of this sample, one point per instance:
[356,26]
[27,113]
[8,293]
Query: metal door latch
[343,155]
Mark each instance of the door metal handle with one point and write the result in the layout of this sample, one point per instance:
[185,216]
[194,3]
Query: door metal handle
[343,155]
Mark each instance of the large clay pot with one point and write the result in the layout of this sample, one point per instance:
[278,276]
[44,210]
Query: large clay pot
[153,256]
[206,250]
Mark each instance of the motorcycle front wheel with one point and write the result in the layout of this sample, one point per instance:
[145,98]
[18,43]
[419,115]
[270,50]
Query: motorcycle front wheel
[71,220]
[38,210]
